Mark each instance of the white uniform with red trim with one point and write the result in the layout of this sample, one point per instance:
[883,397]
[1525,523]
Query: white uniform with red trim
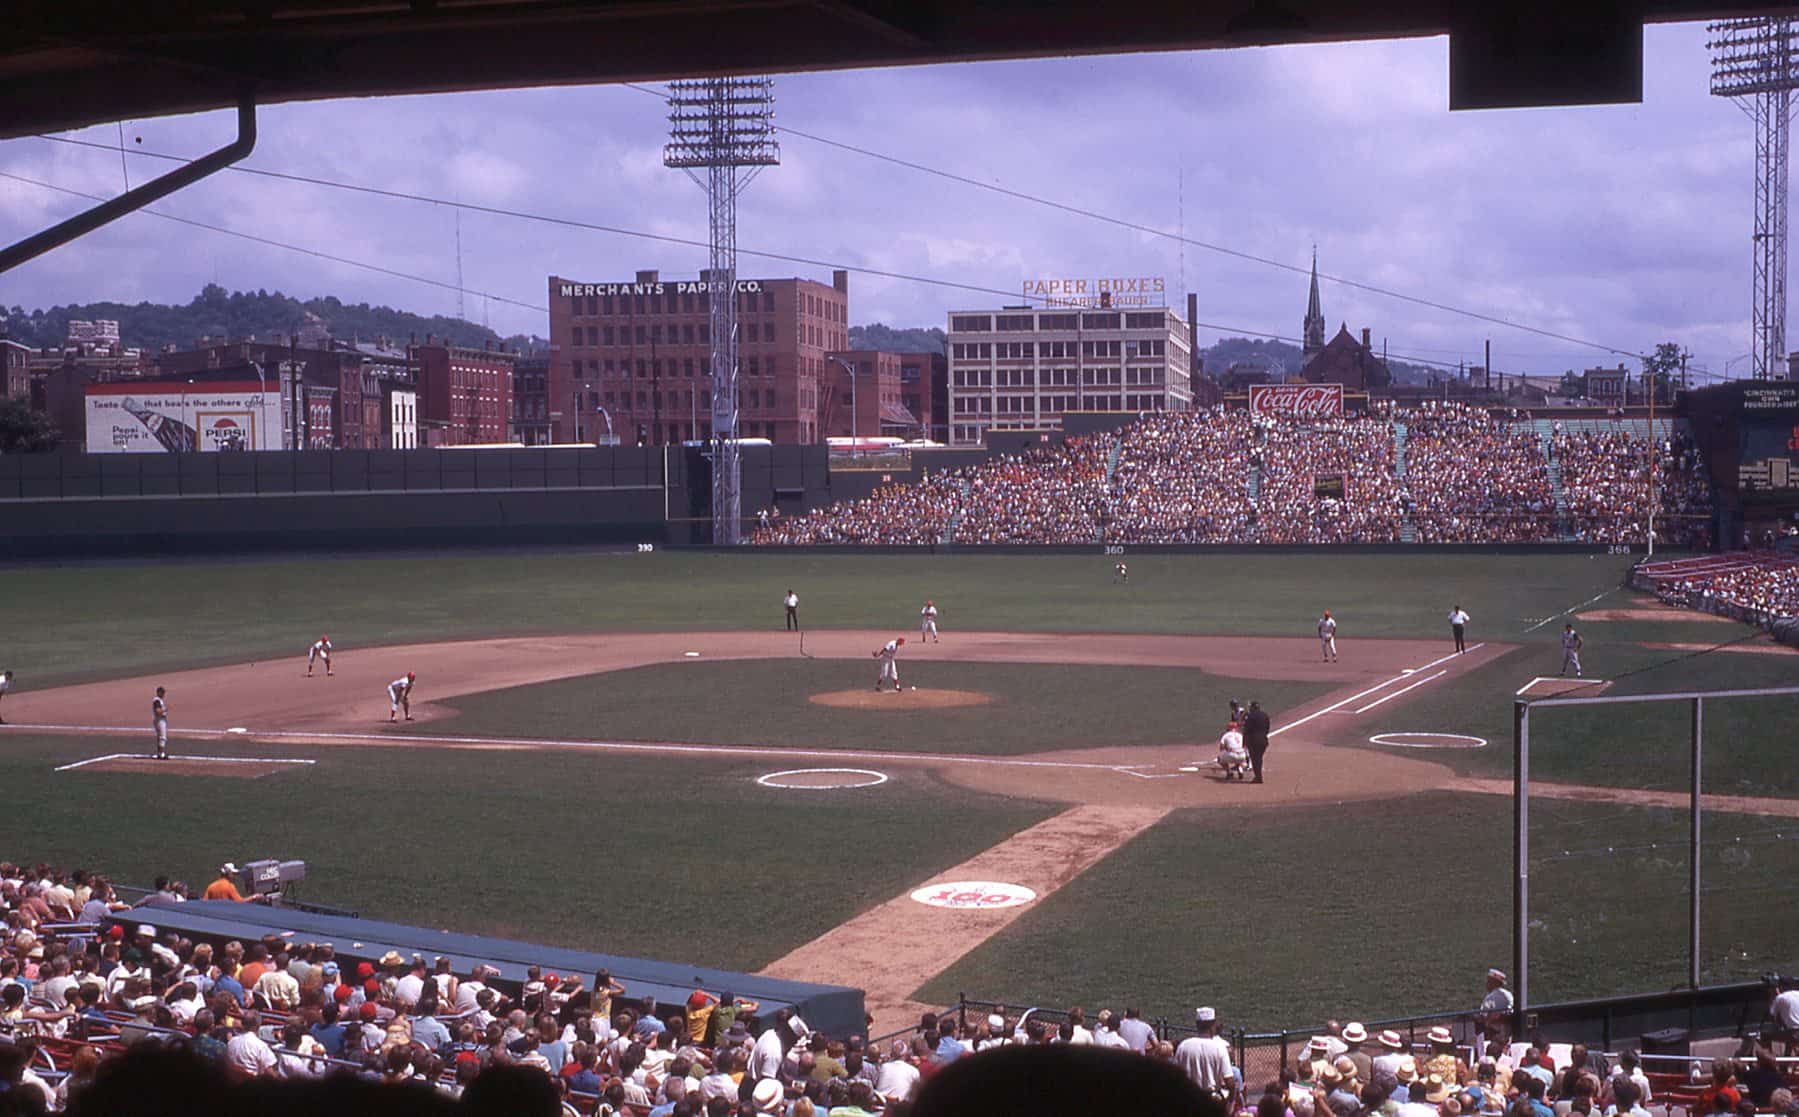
[889,669]
[399,697]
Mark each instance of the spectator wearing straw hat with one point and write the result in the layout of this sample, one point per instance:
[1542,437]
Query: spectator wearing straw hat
[1355,1042]
[1392,1050]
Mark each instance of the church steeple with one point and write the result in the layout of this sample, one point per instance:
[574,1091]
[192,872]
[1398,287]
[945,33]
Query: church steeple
[1314,326]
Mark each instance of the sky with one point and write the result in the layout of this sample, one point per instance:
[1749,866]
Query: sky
[1621,226]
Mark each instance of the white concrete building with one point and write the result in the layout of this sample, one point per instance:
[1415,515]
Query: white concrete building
[1023,368]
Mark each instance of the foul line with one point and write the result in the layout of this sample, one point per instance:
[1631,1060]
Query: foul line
[214,759]
[1400,691]
[1406,674]
[598,746]
[1565,612]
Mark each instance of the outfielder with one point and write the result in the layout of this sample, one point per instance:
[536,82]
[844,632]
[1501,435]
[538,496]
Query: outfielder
[1327,636]
[159,720]
[889,669]
[1571,645]
[5,685]
[927,627]
[399,696]
[321,649]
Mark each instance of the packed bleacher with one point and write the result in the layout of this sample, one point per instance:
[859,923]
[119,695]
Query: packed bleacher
[1434,473]
[92,1004]
[1761,587]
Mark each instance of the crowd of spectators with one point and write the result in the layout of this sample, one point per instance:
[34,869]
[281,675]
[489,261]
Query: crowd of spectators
[1471,477]
[1760,587]
[1040,496]
[1182,477]
[1468,475]
[1605,482]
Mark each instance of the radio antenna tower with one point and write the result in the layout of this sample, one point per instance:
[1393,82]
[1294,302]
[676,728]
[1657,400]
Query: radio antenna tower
[725,127]
[1752,61]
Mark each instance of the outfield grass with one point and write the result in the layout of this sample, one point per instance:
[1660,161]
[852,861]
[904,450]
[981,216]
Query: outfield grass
[1363,910]
[92,621]
[1748,742]
[1036,707]
[643,856]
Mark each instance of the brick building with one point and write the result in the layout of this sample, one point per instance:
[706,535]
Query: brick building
[464,394]
[1022,368]
[924,391]
[531,422]
[867,402]
[15,370]
[642,350]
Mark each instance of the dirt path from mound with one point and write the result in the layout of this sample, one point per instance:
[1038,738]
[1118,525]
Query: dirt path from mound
[895,947]
[1114,792]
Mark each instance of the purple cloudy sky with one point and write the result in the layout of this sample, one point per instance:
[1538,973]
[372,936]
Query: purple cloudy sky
[1622,225]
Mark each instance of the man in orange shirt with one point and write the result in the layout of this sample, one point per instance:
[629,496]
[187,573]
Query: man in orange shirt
[223,888]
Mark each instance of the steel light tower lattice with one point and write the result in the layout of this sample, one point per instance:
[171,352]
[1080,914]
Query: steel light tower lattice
[1753,62]
[724,127]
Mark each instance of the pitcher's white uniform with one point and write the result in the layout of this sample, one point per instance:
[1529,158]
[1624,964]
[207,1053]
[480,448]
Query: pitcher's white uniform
[321,649]
[927,627]
[889,669]
[1327,636]
[1571,645]
[399,696]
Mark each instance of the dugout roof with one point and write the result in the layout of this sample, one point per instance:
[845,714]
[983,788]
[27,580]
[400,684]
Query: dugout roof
[69,63]
[834,1009]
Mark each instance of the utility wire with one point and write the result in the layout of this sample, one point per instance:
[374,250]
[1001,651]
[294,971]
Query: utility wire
[273,243]
[1150,230]
[568,222]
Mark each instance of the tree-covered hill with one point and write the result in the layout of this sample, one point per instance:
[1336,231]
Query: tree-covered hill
[239,314]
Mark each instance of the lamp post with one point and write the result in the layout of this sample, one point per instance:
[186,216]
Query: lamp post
[855,426]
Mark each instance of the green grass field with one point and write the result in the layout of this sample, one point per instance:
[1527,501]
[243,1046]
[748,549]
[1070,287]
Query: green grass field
[1374,910]
[73,623]
[643,856]
[1036,707]
[1371,909]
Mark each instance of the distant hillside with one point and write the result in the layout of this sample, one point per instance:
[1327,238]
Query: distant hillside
[885,339]
[238,314]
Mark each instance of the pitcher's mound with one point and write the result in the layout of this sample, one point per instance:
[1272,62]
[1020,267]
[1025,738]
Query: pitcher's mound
[908,699]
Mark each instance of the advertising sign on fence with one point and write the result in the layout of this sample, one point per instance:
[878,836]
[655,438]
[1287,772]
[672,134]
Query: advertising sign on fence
[152,418]
[1296,401]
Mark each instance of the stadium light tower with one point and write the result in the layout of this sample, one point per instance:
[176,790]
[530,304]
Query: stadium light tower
[1752,61]
[725,126]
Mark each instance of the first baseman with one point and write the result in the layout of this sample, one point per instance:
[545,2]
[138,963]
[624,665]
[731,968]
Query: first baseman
[5,685]
[399,696]
[159,720]
[889,669]
[1327,636]
[927,626]
[1571,645]
[321,649]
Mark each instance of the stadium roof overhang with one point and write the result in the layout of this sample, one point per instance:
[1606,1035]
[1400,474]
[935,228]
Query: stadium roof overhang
[79,62]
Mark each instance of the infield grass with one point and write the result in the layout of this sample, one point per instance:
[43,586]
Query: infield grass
[642,856]
[1368,910]
[81,622]
[1035,707]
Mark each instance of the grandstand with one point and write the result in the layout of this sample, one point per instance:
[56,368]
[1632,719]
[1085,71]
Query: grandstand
[1434,473]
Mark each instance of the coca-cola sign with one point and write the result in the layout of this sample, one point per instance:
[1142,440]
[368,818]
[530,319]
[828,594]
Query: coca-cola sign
[1296,401]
